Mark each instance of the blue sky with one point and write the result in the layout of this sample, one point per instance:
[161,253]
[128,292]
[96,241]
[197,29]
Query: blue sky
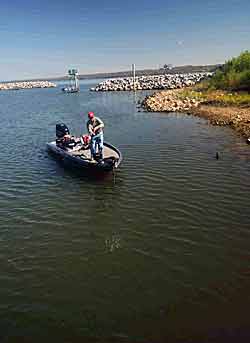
[46,38]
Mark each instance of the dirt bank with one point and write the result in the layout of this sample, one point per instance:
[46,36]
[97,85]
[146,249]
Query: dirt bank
[237,117]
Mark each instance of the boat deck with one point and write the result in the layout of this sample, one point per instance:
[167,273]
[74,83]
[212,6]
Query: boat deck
[107,152]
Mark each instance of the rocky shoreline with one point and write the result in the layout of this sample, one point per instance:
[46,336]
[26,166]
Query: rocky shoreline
[236,117]
[169,101]
[26,85]
[173,101]
[166,81]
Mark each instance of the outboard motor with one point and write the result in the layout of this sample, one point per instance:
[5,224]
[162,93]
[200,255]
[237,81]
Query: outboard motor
[63,137]
[61,130]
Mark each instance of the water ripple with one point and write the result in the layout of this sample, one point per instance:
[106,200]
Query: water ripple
[172,225]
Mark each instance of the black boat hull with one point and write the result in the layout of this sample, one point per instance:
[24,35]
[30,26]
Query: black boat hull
[108,164]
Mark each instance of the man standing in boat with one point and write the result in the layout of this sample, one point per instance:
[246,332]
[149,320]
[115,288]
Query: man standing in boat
[95,128]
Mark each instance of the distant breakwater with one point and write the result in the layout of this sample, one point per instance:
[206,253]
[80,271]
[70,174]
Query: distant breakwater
[167,81]
[26,85]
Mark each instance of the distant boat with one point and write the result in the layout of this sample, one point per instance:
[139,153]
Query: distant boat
[70,89]
[74,86]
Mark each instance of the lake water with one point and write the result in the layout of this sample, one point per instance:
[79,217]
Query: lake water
[158,253]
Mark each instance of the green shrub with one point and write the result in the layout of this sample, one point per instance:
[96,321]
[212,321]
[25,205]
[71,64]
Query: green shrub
[234,75]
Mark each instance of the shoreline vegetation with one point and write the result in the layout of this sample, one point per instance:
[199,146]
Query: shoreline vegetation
[223,99]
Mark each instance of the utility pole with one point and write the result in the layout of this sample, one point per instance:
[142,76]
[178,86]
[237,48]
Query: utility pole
[133,70]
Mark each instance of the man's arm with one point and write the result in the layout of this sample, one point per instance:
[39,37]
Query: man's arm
[90,128]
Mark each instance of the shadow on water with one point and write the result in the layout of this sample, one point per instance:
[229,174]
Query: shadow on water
[66,334]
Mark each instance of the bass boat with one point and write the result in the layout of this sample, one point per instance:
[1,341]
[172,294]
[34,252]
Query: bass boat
[76,151]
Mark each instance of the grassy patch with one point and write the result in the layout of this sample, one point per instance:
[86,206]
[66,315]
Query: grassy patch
[217,97]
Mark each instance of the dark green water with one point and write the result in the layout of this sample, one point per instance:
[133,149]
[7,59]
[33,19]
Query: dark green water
[158,254]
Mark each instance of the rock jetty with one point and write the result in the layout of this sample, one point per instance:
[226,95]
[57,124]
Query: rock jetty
[166,81]
[26,85]
[169,101]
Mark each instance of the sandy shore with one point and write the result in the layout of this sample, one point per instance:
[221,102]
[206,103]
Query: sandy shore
[171,101]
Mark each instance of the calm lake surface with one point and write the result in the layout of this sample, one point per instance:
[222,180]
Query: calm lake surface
[159,253]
